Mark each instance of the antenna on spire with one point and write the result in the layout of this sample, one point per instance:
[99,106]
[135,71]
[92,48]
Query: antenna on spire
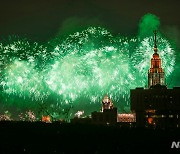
[155,41]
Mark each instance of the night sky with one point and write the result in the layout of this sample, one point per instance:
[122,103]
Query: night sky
[70,53]
[41,20]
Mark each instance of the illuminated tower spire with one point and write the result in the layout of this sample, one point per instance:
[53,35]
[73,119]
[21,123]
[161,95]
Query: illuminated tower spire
[156,73]
[155,42]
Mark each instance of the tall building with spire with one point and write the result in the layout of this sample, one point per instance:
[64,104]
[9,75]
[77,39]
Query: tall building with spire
[157,106]
[155,73]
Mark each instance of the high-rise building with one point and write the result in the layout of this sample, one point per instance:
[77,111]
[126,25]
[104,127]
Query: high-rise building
[156,106]
[108,114]
[155,73]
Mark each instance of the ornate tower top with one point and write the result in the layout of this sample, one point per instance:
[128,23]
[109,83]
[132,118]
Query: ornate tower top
[156,73]
[107,103]
[155,61]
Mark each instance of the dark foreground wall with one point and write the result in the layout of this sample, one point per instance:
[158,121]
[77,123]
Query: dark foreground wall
[24,137]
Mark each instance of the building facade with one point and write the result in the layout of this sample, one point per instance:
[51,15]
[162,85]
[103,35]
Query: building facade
[107,117]
[157,107]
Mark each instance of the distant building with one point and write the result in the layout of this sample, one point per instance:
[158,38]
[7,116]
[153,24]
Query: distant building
[126,117]
[108,114]
[156,106]
[126,120]
[46,119]
[107,103]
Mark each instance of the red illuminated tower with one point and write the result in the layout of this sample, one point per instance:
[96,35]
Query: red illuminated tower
[156,73]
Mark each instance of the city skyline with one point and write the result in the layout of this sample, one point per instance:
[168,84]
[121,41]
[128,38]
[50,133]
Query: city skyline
[89,76]
[77,67]
[53,111]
